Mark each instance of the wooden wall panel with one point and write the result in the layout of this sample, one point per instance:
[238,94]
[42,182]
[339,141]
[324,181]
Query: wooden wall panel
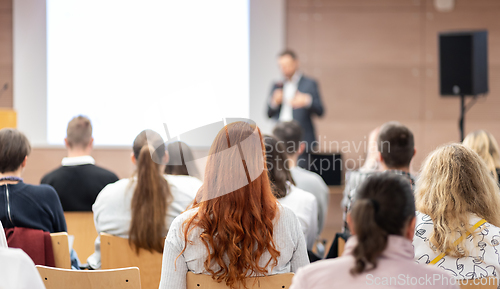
[376,61]
[44,160]
[354,92]
[371,37]
[6,53]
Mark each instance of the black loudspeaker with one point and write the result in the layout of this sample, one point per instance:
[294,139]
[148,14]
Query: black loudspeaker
[463,62]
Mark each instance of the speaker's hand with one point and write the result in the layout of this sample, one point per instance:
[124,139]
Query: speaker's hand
[277,97]
[301,100]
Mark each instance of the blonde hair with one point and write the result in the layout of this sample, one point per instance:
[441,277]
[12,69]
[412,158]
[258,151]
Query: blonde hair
[486,146]
[455,182]
[79,132]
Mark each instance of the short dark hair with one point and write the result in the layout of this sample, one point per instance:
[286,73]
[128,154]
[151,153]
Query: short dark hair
[290,133]
[396,145]
[79,131]
[14,147]
[289,52]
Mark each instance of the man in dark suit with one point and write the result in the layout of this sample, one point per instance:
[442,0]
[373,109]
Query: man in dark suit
[296,98]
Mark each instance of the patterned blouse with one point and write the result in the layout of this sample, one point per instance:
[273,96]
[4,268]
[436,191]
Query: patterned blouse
[484,255]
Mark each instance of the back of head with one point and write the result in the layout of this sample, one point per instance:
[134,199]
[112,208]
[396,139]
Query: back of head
[384,206]
[14,147]
[486,146]
[277,166]
[235,205]
[151,194]
[290,133]
[396,145]
[454,183]
[179,154]
[79,132]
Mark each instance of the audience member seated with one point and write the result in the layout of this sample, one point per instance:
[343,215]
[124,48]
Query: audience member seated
[236,227]
[17,271]
[181,171]
[380,251]
[486,146]
[24,205]
[457,196]
[396,149]
[140,208]
[290,133]
[354,179]
[79,180]
[181,160]
[302,203]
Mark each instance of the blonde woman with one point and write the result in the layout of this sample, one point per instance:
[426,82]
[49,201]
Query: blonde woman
[486,146]
[456,194]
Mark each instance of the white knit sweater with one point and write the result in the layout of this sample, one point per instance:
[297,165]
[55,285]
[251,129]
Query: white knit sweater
[287,235]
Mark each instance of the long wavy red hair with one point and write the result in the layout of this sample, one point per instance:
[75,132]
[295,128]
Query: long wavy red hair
[236,206]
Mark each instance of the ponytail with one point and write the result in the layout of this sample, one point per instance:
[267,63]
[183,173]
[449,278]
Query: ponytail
[372,240]
[384,206]
[149,204]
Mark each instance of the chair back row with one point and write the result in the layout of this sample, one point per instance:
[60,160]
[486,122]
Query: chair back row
[56,278]
[117,253]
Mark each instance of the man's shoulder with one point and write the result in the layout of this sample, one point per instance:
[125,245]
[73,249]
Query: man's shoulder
[50,176]
[104,172]
[302,176]
[307,79]
[305,173]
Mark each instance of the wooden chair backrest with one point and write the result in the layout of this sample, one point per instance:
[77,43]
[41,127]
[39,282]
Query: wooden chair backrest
[481,283]
[203,281]
[56,278]
[60,246]
[81,225]
[341,246]
[117,253]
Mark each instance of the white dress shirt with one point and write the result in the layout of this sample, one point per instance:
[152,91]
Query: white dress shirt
[305,207]
[290,87]
[77,161]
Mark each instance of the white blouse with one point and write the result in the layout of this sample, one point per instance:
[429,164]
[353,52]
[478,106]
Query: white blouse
[113,208]
[305,206]
[17,270]
[484,255]
[287,236]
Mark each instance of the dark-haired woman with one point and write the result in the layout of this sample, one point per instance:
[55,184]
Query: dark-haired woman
[302,203]
[236,228]
[21,204]
[181,160]
[142,207]
[380,252]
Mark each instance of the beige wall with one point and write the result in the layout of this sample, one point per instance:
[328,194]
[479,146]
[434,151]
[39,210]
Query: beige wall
[43,160]
[376,61]
[6,52]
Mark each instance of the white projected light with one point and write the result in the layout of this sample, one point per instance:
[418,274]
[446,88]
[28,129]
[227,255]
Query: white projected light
[133,65]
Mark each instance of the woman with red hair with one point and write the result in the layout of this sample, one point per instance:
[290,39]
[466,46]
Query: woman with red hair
[236,228]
